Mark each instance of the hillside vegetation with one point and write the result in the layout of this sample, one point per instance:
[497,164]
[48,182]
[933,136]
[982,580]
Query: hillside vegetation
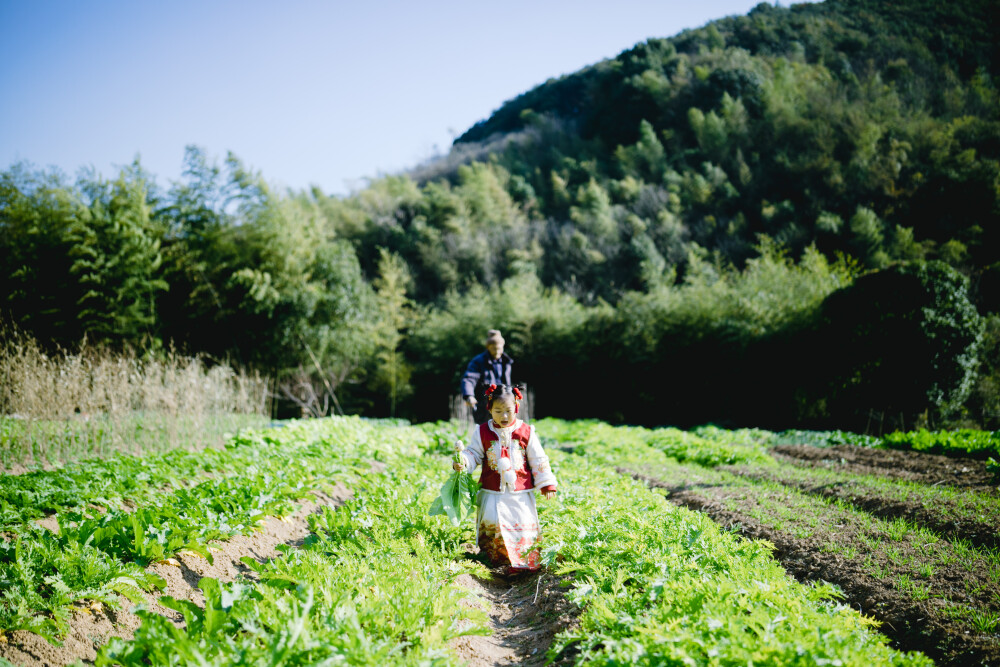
[856,126]
[715,224]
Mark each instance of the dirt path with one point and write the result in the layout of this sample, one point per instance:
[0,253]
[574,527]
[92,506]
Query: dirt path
[525,612]
[829,546]
[91,627]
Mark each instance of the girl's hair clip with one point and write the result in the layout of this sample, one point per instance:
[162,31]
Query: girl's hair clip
[489,391]
[517,392]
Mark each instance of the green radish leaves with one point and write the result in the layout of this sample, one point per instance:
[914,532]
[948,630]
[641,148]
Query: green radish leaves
[457,498]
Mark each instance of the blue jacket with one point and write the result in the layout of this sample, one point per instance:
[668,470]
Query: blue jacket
[483,371]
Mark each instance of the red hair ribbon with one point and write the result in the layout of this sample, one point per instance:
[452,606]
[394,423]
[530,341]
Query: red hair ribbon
[517,392]
[489,391]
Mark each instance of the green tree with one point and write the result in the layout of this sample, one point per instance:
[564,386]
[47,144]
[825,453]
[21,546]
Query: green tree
[594,214]
[116,261]
[200,248]
[899,343]
[646,158]
[263,280]
[867,237]
[395,315]
[36,288]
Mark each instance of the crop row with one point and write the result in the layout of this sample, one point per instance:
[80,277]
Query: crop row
[706,447]
[660,584]
[97,485]
[966,513]
[710,445]
[950,512]
[959,442]
[91,556]
[936,593]
[371,586]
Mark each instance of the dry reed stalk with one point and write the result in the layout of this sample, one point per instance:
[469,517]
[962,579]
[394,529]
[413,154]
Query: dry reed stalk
[94,402]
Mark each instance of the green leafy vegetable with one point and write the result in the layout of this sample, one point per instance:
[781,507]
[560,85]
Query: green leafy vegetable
[457,498]
[993,467]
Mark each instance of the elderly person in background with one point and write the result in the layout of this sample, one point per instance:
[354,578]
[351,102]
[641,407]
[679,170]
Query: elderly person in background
[489,367]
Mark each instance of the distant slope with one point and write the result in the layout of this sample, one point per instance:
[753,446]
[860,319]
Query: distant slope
[867,128]
[846,37]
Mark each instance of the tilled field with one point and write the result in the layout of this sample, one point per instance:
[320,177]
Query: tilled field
[313,544]
[909,538]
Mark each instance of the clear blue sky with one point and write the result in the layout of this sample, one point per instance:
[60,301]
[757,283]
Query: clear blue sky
[306,92]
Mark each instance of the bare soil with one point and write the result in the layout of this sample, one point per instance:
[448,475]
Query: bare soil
[964,473]
[526,611]
[943,516]
[808,547]
[18,469]
[92,627]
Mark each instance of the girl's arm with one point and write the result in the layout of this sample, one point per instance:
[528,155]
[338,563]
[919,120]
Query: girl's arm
[472,455]
[545,479]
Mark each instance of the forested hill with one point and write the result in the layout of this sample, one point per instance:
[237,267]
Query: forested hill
[849,38]
[869,128]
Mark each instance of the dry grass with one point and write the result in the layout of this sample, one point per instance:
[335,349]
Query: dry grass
[57,407]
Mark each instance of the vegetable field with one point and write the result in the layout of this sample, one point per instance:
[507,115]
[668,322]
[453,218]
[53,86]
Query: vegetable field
[313,544]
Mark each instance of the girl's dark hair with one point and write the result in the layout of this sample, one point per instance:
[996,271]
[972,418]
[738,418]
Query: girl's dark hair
[501,392]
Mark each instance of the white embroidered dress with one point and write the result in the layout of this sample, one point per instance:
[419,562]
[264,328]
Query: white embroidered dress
[507,521]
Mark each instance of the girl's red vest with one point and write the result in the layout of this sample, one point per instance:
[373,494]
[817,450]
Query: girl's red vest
[490,478]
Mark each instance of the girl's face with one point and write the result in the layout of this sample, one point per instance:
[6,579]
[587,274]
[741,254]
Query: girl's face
[503,411]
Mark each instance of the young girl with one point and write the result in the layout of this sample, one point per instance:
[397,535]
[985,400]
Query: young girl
[515,465]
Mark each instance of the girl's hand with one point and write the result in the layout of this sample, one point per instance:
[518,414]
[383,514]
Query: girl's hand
[548,495]
[457,466]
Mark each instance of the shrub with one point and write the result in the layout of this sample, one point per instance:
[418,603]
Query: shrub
[903,341]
